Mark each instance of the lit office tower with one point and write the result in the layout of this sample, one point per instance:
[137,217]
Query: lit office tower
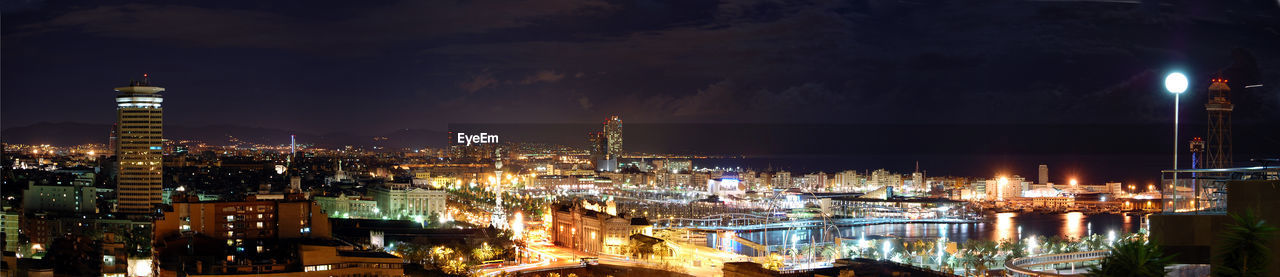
[139,149]
[1218,142]
[613,134]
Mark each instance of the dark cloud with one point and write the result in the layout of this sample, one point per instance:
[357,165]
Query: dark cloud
[543,76]
[570,61]
[479,82]
[367,26]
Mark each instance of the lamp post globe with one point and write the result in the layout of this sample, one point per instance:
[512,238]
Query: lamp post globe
[1176,83]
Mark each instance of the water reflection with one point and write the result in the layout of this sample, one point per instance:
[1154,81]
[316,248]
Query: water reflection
[1071,228]
[1004,226]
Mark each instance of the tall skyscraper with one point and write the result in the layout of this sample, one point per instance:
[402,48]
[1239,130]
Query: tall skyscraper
[1218,142]
[1044,175]
[139,121]
[613,136]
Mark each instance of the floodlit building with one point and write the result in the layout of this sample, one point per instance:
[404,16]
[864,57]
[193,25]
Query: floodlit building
[349,206]
[404,200]
[139,148]
[846,180]
[594,231]
[724,186]
[782,179]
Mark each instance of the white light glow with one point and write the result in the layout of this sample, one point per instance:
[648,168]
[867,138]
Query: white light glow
[1176,82]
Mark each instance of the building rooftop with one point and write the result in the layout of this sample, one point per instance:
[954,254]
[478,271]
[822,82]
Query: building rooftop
[367,254]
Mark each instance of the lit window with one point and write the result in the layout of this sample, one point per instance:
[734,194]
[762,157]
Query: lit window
[259,225]
[231,217]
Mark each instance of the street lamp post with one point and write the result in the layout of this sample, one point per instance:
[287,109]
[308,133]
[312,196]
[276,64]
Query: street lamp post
[1176,83]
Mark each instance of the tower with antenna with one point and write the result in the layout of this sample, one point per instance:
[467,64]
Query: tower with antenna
[1218,140]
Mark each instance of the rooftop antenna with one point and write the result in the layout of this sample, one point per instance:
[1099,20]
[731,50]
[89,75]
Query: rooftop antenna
[146,79]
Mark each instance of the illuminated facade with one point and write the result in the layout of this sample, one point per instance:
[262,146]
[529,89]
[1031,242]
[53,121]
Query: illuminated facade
[138,147]
[349,206]
[403,200]
[594,231]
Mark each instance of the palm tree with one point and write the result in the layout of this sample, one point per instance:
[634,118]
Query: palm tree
[1244,247]
[1133,258]
[1013,249]
[978,257]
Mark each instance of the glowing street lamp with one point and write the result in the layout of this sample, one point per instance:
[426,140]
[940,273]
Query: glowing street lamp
[1176,83]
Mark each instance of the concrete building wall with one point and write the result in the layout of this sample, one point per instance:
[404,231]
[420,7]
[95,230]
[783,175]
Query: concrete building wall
[60,198]
[249,220]
[1196,238]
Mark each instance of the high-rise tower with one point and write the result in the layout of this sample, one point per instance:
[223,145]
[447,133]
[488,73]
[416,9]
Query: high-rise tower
[139,128]
[613,136]
[1044,176]
[1218,141]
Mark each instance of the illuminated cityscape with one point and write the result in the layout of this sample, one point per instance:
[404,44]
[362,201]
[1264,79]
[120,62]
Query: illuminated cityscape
[853,138]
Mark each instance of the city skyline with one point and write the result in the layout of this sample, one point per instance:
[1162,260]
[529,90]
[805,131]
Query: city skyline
[762,138]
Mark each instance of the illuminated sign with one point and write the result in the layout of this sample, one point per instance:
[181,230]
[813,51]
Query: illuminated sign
[482,138]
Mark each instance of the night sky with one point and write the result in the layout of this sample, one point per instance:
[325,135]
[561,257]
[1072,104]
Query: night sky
[378,66]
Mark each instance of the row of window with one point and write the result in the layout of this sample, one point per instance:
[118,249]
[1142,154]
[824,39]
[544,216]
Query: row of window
[324,267]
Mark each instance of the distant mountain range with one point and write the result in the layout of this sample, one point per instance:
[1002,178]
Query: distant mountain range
[74,133]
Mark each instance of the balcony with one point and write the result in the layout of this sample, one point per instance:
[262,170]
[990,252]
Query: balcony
[1204,191]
